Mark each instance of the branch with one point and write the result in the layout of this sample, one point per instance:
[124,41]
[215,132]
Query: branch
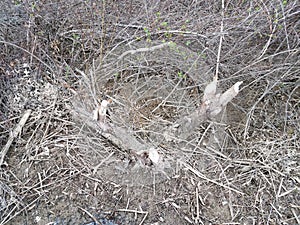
[14,134]
[221,39]
[118,136]
[143,50]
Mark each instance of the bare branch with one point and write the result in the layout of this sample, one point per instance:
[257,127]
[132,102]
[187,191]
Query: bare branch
[14,134]
[144,50]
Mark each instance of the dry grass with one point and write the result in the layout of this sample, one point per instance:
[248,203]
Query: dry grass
[57,56]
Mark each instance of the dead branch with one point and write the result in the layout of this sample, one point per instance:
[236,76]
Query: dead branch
[118,136]
[144,50]
[14,134]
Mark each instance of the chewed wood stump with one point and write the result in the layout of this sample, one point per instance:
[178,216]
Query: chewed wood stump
[154,92]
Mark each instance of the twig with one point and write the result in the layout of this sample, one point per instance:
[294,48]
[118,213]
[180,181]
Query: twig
[295,215]
[95,168]
[18,211]
[164,101]
[180,32]
[135,211]
[14,134]
[200,175]
[267,90]
[143,50]
[90,215]
[220,43]
[175,87]
[271,36]
[197,219]
[32,55]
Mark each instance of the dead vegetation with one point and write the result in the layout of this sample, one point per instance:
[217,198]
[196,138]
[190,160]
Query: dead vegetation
[152,60]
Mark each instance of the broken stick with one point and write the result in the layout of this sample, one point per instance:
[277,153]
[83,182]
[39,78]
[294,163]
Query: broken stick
[14,134]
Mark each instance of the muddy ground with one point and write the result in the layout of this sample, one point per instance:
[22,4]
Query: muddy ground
[152,60]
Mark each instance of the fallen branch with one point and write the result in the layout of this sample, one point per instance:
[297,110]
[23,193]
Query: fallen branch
[14,134]
[124,139]
[118,136]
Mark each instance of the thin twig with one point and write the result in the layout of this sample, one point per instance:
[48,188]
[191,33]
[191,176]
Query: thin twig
[32,55]
[95,168]
[295,215]
[90,215]
[179,32]
[200,175]
[144,50]
[135,211]
[220,43]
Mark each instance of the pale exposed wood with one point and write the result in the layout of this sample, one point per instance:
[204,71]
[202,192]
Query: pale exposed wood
[14,134]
